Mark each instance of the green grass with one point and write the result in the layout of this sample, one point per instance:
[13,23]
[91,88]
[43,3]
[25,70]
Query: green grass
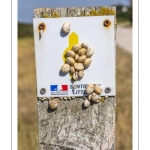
[27,109]
[25,30]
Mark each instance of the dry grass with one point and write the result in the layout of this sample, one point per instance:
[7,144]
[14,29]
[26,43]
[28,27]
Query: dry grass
[27,110]
[124,100]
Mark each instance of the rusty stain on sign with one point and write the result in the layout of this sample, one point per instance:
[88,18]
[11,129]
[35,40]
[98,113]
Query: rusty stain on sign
[107,23]
[41,28]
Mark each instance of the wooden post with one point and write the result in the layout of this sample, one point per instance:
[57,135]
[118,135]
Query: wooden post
[70,126]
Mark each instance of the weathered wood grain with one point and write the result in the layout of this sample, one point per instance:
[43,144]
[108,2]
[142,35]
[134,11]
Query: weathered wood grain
[71,126]
[74,127]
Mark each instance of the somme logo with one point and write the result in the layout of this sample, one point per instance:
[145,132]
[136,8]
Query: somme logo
[59,89]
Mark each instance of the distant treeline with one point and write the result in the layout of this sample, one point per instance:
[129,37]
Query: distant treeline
[124,16]
[25,30]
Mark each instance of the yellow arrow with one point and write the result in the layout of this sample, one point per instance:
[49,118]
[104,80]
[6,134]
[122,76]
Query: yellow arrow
[73,39]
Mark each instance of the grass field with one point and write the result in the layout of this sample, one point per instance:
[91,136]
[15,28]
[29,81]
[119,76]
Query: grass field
[27,110]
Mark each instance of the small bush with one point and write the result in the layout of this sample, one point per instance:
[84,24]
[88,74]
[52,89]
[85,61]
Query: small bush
[25,30]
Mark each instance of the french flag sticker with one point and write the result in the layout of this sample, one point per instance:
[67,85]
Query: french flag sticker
[54,87]
[64,87]
[59,89]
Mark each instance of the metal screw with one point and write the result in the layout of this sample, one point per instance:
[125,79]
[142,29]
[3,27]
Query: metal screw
[41,28]
[43,90]
[106,23]
[107,90]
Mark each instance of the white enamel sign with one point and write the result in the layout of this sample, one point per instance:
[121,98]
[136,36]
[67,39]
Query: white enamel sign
[49,51]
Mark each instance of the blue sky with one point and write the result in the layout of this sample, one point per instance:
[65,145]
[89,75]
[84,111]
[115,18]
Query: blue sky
[26,7]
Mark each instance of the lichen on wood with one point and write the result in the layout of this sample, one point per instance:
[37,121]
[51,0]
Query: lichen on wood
[106,11]
[73,12]
[55,15]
